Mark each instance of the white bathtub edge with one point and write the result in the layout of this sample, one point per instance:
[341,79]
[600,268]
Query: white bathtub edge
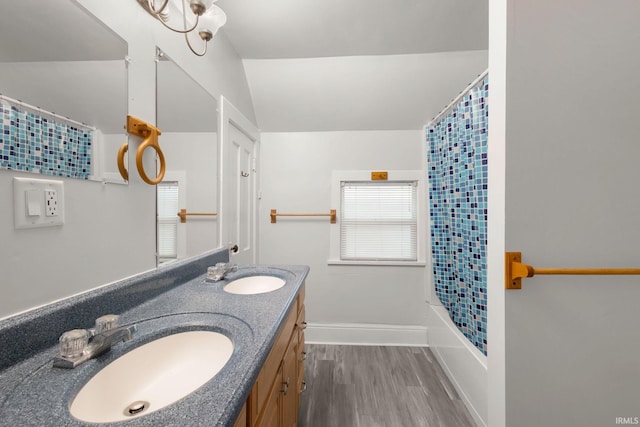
[463,363]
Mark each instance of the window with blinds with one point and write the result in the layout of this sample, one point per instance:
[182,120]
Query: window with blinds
[378,220]
[167,220]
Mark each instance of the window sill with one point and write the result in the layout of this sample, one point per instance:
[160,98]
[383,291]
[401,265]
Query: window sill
[378,263]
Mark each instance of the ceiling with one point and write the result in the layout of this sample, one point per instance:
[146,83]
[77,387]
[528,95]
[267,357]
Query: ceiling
[311,65]
[70,33]
[356,64]
[261,29]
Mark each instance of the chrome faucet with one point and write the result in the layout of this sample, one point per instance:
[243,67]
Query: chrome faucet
[220,270]
[79,345]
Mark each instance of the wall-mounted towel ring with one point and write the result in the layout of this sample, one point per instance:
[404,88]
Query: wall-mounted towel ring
[151,141]
[121,167]
[150,134]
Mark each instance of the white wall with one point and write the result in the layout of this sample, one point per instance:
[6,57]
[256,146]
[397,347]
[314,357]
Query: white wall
[201,172]
[344,303]
[57,85]
[496,399]
[383,92]
[572,175]
[110,229]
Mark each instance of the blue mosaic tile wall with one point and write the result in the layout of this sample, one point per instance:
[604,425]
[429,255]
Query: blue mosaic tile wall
[30,142]
[457,165]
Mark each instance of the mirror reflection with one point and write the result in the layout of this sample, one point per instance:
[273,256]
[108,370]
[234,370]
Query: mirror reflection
[186,115]
[74,67]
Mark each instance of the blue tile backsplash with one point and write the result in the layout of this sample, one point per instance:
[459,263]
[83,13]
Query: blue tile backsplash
[457,169]
[31,142]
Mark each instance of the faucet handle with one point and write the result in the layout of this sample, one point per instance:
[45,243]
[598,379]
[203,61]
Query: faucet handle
[107,322]
[73,342]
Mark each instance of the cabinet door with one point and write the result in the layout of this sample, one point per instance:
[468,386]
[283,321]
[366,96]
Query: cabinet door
[301,355]
[242,418]
[289,385]
[272,415]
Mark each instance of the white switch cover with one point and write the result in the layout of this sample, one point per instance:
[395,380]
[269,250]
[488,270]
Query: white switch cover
[37,202]
[34,202]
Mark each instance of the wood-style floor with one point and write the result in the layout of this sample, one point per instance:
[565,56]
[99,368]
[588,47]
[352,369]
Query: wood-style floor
[370,386]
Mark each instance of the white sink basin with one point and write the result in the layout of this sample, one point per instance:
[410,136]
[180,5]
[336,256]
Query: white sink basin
[152,376]
[254,285]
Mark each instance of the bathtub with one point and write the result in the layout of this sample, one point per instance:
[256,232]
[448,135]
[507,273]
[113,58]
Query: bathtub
[463,363]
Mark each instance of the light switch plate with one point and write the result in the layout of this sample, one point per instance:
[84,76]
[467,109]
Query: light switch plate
[32,202]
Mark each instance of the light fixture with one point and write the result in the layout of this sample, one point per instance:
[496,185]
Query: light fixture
[204,17]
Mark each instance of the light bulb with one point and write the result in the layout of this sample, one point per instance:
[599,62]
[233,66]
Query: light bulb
[211,22]
[216,17]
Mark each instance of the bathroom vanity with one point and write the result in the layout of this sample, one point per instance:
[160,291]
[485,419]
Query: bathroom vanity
[259,385]
[275,397]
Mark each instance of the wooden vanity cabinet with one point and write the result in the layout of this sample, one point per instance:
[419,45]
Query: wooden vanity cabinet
[275,397]
[289,382]
[301,354]
[242,418]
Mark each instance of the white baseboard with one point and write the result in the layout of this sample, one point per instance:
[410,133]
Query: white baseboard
[366,334]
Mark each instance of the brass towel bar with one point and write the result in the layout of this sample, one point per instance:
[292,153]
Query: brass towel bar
[515,270]
[331,214]
[183,214]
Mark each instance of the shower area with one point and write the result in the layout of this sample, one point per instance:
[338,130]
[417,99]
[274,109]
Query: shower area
[457,163]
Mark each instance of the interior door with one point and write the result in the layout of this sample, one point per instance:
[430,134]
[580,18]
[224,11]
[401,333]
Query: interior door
[238,143]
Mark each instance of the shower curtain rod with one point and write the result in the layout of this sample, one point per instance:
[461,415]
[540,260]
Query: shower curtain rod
[17,103]
[457,99]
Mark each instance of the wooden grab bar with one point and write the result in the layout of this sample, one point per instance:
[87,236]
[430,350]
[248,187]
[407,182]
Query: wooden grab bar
[515,271]
[183,214]
[331,214]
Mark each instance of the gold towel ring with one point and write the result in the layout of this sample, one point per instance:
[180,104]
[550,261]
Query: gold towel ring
[121,167]
[151,141]
[150,133]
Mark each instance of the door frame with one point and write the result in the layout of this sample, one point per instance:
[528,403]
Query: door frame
[229,115]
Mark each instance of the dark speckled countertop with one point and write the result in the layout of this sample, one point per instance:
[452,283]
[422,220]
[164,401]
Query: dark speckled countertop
[161,302]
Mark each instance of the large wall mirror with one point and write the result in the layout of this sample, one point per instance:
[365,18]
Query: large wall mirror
[57,57]
[187,118]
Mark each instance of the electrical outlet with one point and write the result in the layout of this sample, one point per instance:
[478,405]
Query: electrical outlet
[50,202]
[37,202]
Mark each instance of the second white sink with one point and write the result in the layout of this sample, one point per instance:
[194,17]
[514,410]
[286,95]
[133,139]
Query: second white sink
[254,285]
[152,376]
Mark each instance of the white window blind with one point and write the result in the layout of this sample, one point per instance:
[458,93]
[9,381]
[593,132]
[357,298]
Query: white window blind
[167,220]
[379,220]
